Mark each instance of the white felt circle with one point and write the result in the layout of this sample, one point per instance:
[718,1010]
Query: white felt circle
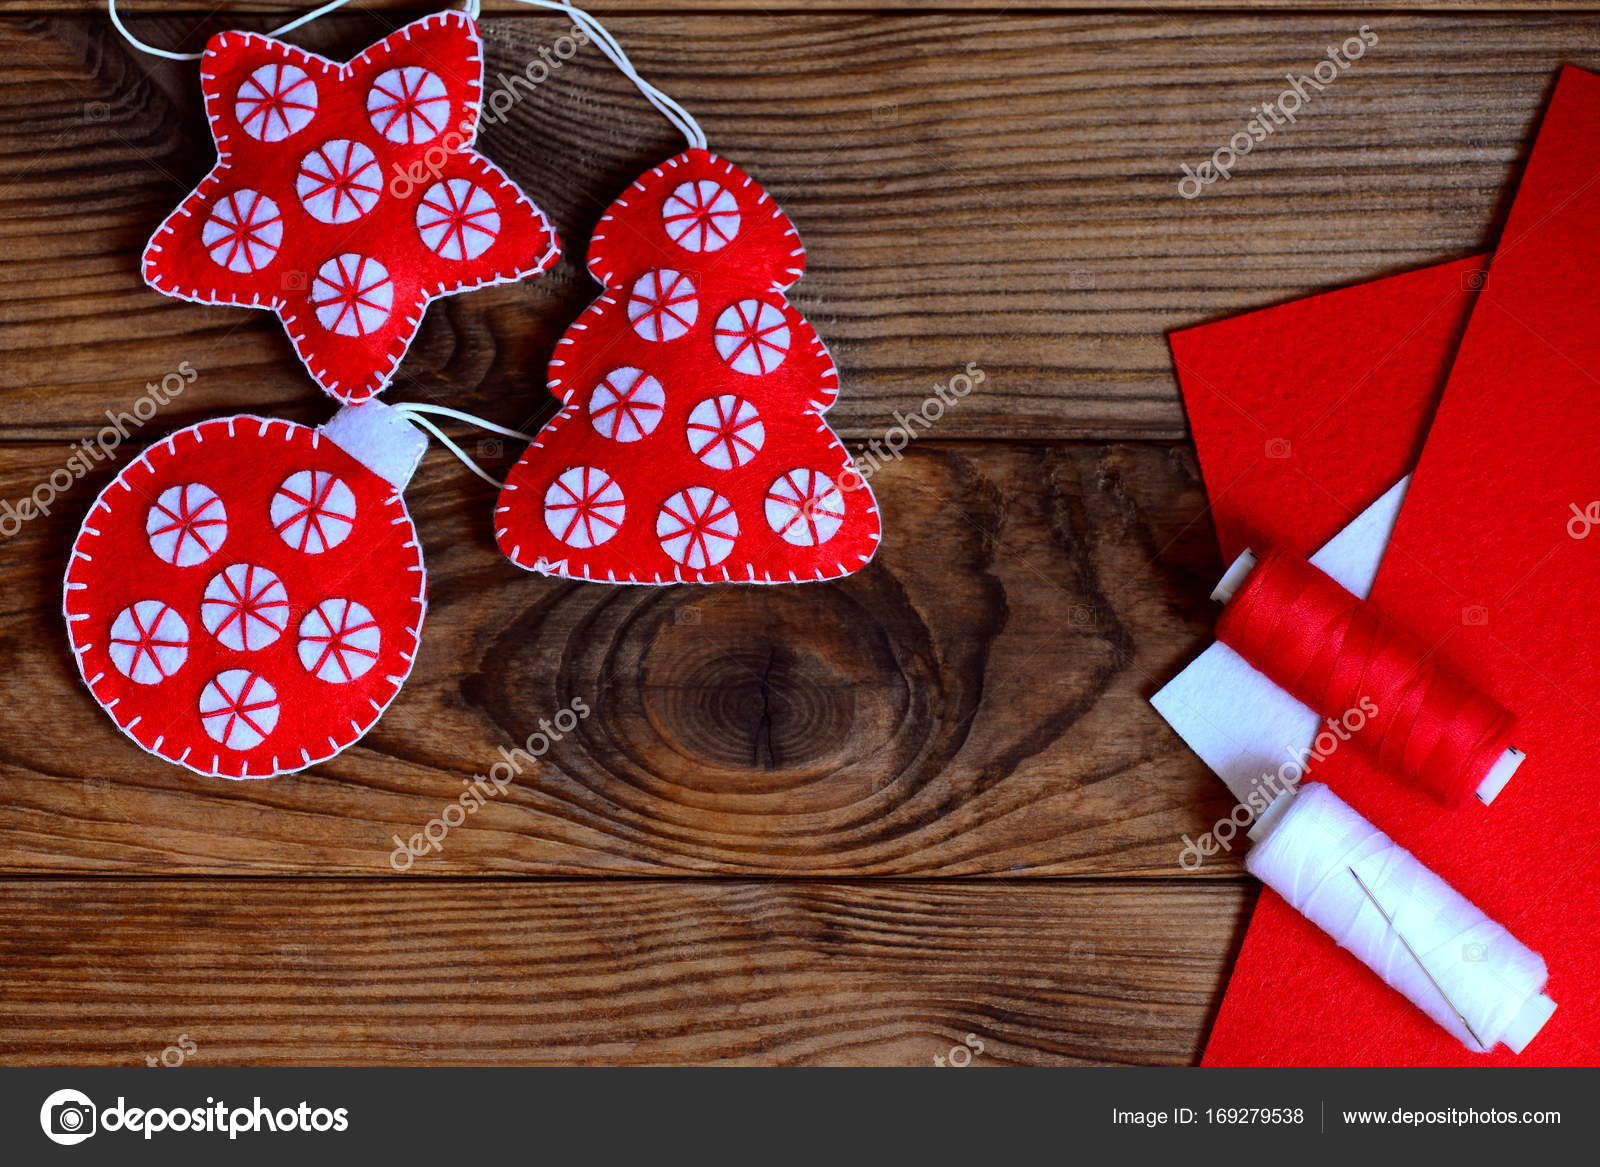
[457,219]
[339,181]
[409,105]
[753,337]
[725,431]
[584,507]
[275,101]
[149,642]
[663,305]
[701,216]
[626,405]
[352,295]
[805,508]
[238,709]
[697,527]
[245,607]
[243,232]
[187,524]
[339,641]
[313,510]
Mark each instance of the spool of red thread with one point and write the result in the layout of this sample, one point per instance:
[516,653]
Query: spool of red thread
[1333,653]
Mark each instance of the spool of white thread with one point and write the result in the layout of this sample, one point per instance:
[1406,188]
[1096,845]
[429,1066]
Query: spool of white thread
[1421,936]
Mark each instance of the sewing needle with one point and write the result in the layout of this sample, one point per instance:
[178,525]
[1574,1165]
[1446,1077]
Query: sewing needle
[1388,919]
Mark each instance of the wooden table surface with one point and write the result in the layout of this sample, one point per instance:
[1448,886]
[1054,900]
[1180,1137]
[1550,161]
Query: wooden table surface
[843,823]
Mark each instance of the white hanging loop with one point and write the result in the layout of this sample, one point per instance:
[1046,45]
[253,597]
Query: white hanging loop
[417,414]
[681,119]
[305,18]
[459,415]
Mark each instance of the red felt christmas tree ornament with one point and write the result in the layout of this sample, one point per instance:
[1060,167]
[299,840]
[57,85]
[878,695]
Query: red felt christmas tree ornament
[346,196]
[247,596]
[691,445]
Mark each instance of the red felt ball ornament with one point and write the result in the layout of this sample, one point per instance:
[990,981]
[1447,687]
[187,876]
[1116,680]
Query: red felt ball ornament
[246,597]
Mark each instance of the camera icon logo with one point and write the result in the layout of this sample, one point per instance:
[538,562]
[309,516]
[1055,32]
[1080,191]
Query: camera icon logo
[68,1117]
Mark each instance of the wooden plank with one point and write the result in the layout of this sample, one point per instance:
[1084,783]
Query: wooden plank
[268,10]
[496,973]
[973,702]
[989,188]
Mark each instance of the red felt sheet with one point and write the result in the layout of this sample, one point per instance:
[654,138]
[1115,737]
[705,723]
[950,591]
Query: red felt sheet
[1304,413]
[1485,565]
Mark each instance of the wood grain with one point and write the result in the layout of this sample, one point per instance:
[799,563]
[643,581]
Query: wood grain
[632,972]
[976,181]
[989,188]
[973,702]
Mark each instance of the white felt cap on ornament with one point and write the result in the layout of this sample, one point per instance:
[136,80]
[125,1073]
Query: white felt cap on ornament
[380,438]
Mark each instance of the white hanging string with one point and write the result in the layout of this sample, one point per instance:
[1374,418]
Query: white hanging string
[417,414]
[305,18]
[681,119]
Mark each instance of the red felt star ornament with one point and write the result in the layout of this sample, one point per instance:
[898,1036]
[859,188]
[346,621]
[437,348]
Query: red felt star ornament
[347,196]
